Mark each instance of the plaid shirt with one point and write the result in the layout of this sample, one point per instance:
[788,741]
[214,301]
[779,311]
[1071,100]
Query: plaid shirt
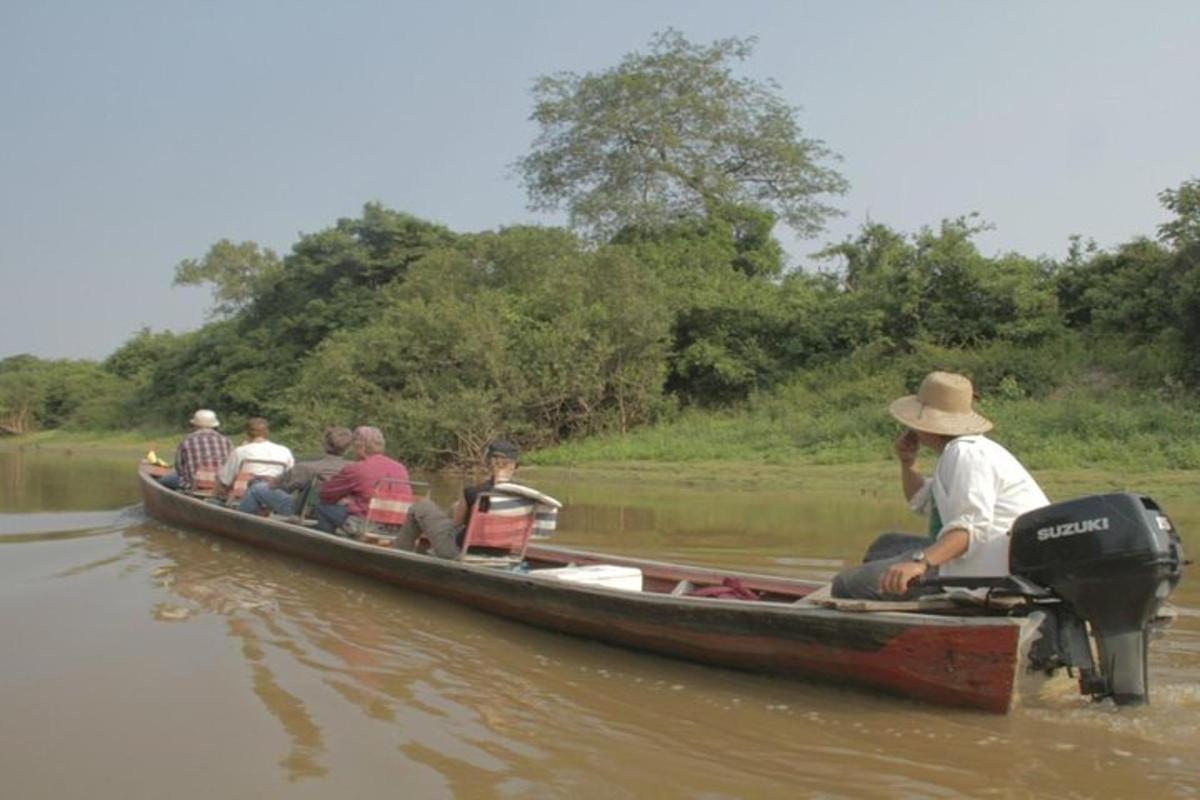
[200,448]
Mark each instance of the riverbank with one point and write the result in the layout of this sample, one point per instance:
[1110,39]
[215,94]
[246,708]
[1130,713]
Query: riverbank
[133,443]
[870,474]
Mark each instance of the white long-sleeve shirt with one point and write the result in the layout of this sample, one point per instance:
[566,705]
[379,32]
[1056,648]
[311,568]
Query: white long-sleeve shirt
[979,487]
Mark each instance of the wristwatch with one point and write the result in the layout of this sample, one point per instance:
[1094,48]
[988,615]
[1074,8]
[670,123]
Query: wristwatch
[919,558]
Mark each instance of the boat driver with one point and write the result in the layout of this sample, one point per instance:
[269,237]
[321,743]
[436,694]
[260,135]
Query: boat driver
[976,490]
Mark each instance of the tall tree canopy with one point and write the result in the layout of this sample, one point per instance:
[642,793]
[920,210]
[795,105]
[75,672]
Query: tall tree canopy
[673,134]
[237,273]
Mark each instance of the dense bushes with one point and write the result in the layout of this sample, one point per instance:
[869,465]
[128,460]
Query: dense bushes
[448,339]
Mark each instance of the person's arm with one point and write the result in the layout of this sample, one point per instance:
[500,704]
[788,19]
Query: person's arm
[911,480]
[182,467]
[339,485]
[461,512]
[966,508]
[949,546]
[458,514]
[229,469]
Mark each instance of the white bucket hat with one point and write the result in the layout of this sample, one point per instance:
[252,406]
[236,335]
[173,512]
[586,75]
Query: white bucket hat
[205,419]
[942,405]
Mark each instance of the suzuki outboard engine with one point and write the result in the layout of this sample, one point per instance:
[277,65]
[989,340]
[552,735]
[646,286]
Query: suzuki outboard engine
[1112,559]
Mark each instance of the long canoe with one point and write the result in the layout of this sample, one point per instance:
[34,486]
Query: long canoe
[966,658]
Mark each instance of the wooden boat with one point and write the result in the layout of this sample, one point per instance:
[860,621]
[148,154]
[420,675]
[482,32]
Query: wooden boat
[966,656]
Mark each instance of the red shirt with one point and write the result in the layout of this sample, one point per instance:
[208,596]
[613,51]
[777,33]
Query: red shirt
[357,480]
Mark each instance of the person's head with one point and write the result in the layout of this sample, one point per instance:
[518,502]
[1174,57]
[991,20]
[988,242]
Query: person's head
[336,440]
[367,441]
[205,418]
[941,409]
[256,428]
[501,457]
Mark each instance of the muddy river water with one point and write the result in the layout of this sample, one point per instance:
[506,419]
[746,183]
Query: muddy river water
[137,660]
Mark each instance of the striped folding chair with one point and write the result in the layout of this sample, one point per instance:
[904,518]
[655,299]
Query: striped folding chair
[387,511]
[248,470]
[499,530]
[204,480]
[545,520]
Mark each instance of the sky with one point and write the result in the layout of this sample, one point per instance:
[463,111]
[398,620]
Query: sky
[137,134]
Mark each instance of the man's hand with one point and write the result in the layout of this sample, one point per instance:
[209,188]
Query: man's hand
[906,446]
[899,576]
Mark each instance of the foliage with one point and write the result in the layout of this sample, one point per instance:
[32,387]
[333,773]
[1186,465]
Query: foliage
[522,332]
[679,340]
[1077,411]
[672,134]
[37,394]
[937,288]
[1129,290]
[237,273]
[1184,203]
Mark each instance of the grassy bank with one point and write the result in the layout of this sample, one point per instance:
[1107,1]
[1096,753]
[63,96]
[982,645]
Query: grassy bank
[1090,428]
[625,462]
[133,443]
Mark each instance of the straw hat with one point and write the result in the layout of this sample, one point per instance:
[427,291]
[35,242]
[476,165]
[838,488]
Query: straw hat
[205,419]
[942,405]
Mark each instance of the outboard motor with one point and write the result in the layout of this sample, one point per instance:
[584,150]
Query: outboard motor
[1112,559]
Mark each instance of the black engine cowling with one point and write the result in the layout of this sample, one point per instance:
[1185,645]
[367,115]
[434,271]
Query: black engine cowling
[1114,559]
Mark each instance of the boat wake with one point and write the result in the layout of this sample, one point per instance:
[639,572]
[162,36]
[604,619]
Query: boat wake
[60,525]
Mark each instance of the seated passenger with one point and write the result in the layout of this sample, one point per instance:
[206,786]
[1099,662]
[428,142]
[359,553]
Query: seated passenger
[345,496]
[445,532]
[977,489]
[259,456]
[203,447]
[276,495]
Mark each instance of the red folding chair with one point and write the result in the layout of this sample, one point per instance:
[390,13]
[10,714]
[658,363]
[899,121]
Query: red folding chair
[387,511]
[241,481]
[204,480]
[499,529]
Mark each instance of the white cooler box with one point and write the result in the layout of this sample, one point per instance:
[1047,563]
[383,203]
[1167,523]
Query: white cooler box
[609,576]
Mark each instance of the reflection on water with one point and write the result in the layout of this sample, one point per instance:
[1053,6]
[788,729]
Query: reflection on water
[31,480]
[158,662]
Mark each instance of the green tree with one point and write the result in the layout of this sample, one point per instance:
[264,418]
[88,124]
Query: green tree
[670,134]
[524,332]
[236,272]
[1130,290]
[1183,234]
[936,287]
[1184,203]
[37,393]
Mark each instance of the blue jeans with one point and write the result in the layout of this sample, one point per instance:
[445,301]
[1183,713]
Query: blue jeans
[330,516]
[260,495]
[170,480]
